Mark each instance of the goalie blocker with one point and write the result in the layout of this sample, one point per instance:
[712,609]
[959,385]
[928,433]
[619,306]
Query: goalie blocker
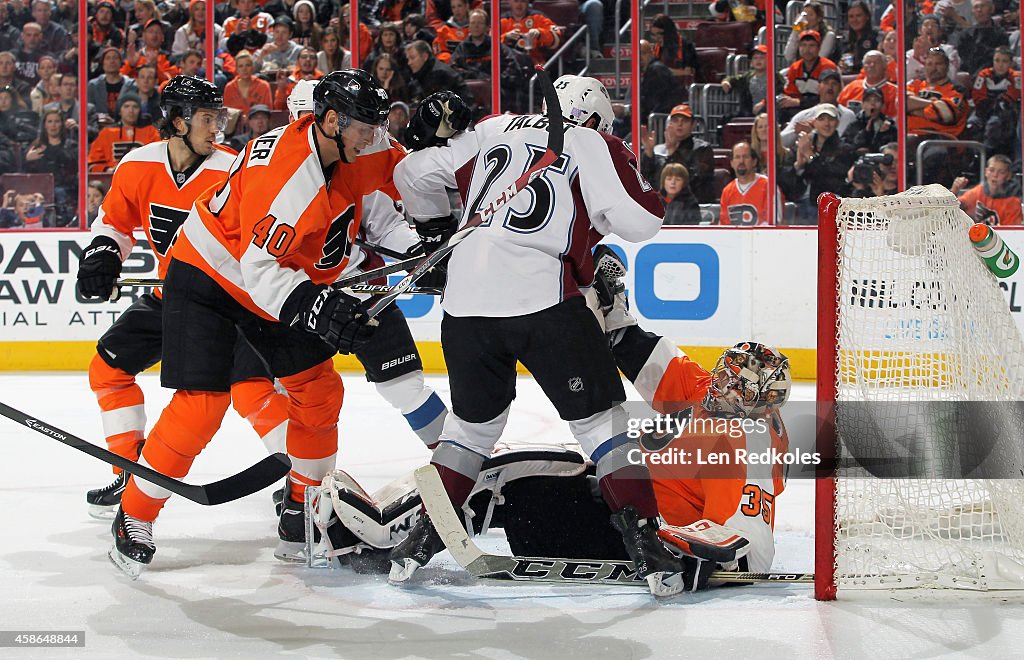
[546,499]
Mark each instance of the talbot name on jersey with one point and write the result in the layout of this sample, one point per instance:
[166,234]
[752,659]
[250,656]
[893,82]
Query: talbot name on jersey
[527,121]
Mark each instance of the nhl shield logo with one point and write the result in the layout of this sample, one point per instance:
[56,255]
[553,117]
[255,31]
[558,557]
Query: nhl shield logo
[575,384]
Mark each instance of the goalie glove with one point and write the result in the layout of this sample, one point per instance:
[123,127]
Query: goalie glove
[440,116]
[99,269]
[338,318]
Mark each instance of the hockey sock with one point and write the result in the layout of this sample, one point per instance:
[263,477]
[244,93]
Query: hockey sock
[624,482]
[256,401]
[459,468]
[122,405]
[315,397]
[420,405]
[185,427]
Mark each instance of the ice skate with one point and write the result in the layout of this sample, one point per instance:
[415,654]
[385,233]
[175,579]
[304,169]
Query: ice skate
[291,530]
[278,497]
[103,502]
[664,572]
[133,544]
[415,551]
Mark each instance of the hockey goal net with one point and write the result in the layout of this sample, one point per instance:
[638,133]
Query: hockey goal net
[916,348]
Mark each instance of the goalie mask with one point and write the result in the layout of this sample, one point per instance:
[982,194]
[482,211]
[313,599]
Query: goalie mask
[747,381]
[582,98]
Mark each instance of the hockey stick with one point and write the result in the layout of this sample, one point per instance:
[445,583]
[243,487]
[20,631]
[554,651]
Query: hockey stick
[256,477]
[373,289]
[543,569]
[381,250]
[556,136]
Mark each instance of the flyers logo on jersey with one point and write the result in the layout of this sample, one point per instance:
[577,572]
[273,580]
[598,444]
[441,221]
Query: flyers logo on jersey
[337,244]
[164,222]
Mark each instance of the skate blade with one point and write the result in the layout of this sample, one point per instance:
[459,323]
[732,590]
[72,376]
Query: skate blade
[291,551]
[402,570]
[663,585]
[129,567]
[102,512]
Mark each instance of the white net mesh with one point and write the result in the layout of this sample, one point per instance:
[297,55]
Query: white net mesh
[922,323]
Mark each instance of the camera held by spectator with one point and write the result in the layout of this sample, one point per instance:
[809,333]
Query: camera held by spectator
[868,167]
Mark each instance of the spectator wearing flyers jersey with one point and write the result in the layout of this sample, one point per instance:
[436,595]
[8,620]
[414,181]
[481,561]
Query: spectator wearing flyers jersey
[745,200]
[936,104]
[996,201]
[803,75]
[115,141]
[452,32]
[996,96]
[876,76]
[529,30]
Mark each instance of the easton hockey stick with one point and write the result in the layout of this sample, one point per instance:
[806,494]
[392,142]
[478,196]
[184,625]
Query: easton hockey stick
[373,289]
[543,569]
[556,136]
[256,477]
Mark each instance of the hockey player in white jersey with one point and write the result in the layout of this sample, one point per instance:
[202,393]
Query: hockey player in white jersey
[515,292]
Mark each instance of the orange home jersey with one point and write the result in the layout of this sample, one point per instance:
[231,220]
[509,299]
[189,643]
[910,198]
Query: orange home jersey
[143,194]
[746,205]
[548,38]
[989,87]
[276,222]
[800,81]
[114,142]
[448,37]
[982,207]
[853,93]
[947,113]
[737,495]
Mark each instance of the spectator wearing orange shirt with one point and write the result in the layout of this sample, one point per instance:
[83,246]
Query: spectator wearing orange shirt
[247,19]
[995,201]
[305,69]
[996,97]
[150,53]
[529,31]
[452,32]
[803,75]
[246,90]
[936,104]
[115,141]
[745,199]
[876,75]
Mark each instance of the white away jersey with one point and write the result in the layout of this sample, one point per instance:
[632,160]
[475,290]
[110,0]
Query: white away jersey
[535,252]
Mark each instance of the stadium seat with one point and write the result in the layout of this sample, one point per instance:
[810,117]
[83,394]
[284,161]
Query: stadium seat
[563,12]
[24,184]
[712,63]
[737,130]
[722,179]
[278,118]
[481,90]
[734,35]
[965,81]
[723,159]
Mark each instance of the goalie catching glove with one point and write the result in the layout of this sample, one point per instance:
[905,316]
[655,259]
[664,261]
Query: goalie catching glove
[338,318]
[99,269]
[440,116]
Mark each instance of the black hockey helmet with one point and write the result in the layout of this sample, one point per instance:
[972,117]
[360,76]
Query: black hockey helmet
[352,93]
[190,93]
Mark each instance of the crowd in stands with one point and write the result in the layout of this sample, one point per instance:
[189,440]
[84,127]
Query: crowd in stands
[834,69]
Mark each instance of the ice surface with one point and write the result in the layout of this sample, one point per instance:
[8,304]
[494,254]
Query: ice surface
[214,589]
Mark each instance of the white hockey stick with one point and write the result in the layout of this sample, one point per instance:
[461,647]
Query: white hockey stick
[543,569]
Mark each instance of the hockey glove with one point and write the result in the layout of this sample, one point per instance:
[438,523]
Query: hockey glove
[338,318]
[99,268]
[433,234]
[440,116]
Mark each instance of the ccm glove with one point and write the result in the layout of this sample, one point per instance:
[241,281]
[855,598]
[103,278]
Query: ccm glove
[338,318]
[440,116]
[434,232]
[99,268]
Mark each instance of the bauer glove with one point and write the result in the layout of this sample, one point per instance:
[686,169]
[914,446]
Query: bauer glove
[440,116]
[338,318]
[99,268]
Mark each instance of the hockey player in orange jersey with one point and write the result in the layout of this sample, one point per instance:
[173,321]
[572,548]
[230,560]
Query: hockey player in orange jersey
[750,381]
[256,255]
[153,188]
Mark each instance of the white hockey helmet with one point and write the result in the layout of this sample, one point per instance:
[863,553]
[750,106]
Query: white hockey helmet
[748,380]
[582,98]
[301,99]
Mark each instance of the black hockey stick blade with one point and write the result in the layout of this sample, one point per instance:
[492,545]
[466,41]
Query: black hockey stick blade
[544,569]
[252,479]
[556,142]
